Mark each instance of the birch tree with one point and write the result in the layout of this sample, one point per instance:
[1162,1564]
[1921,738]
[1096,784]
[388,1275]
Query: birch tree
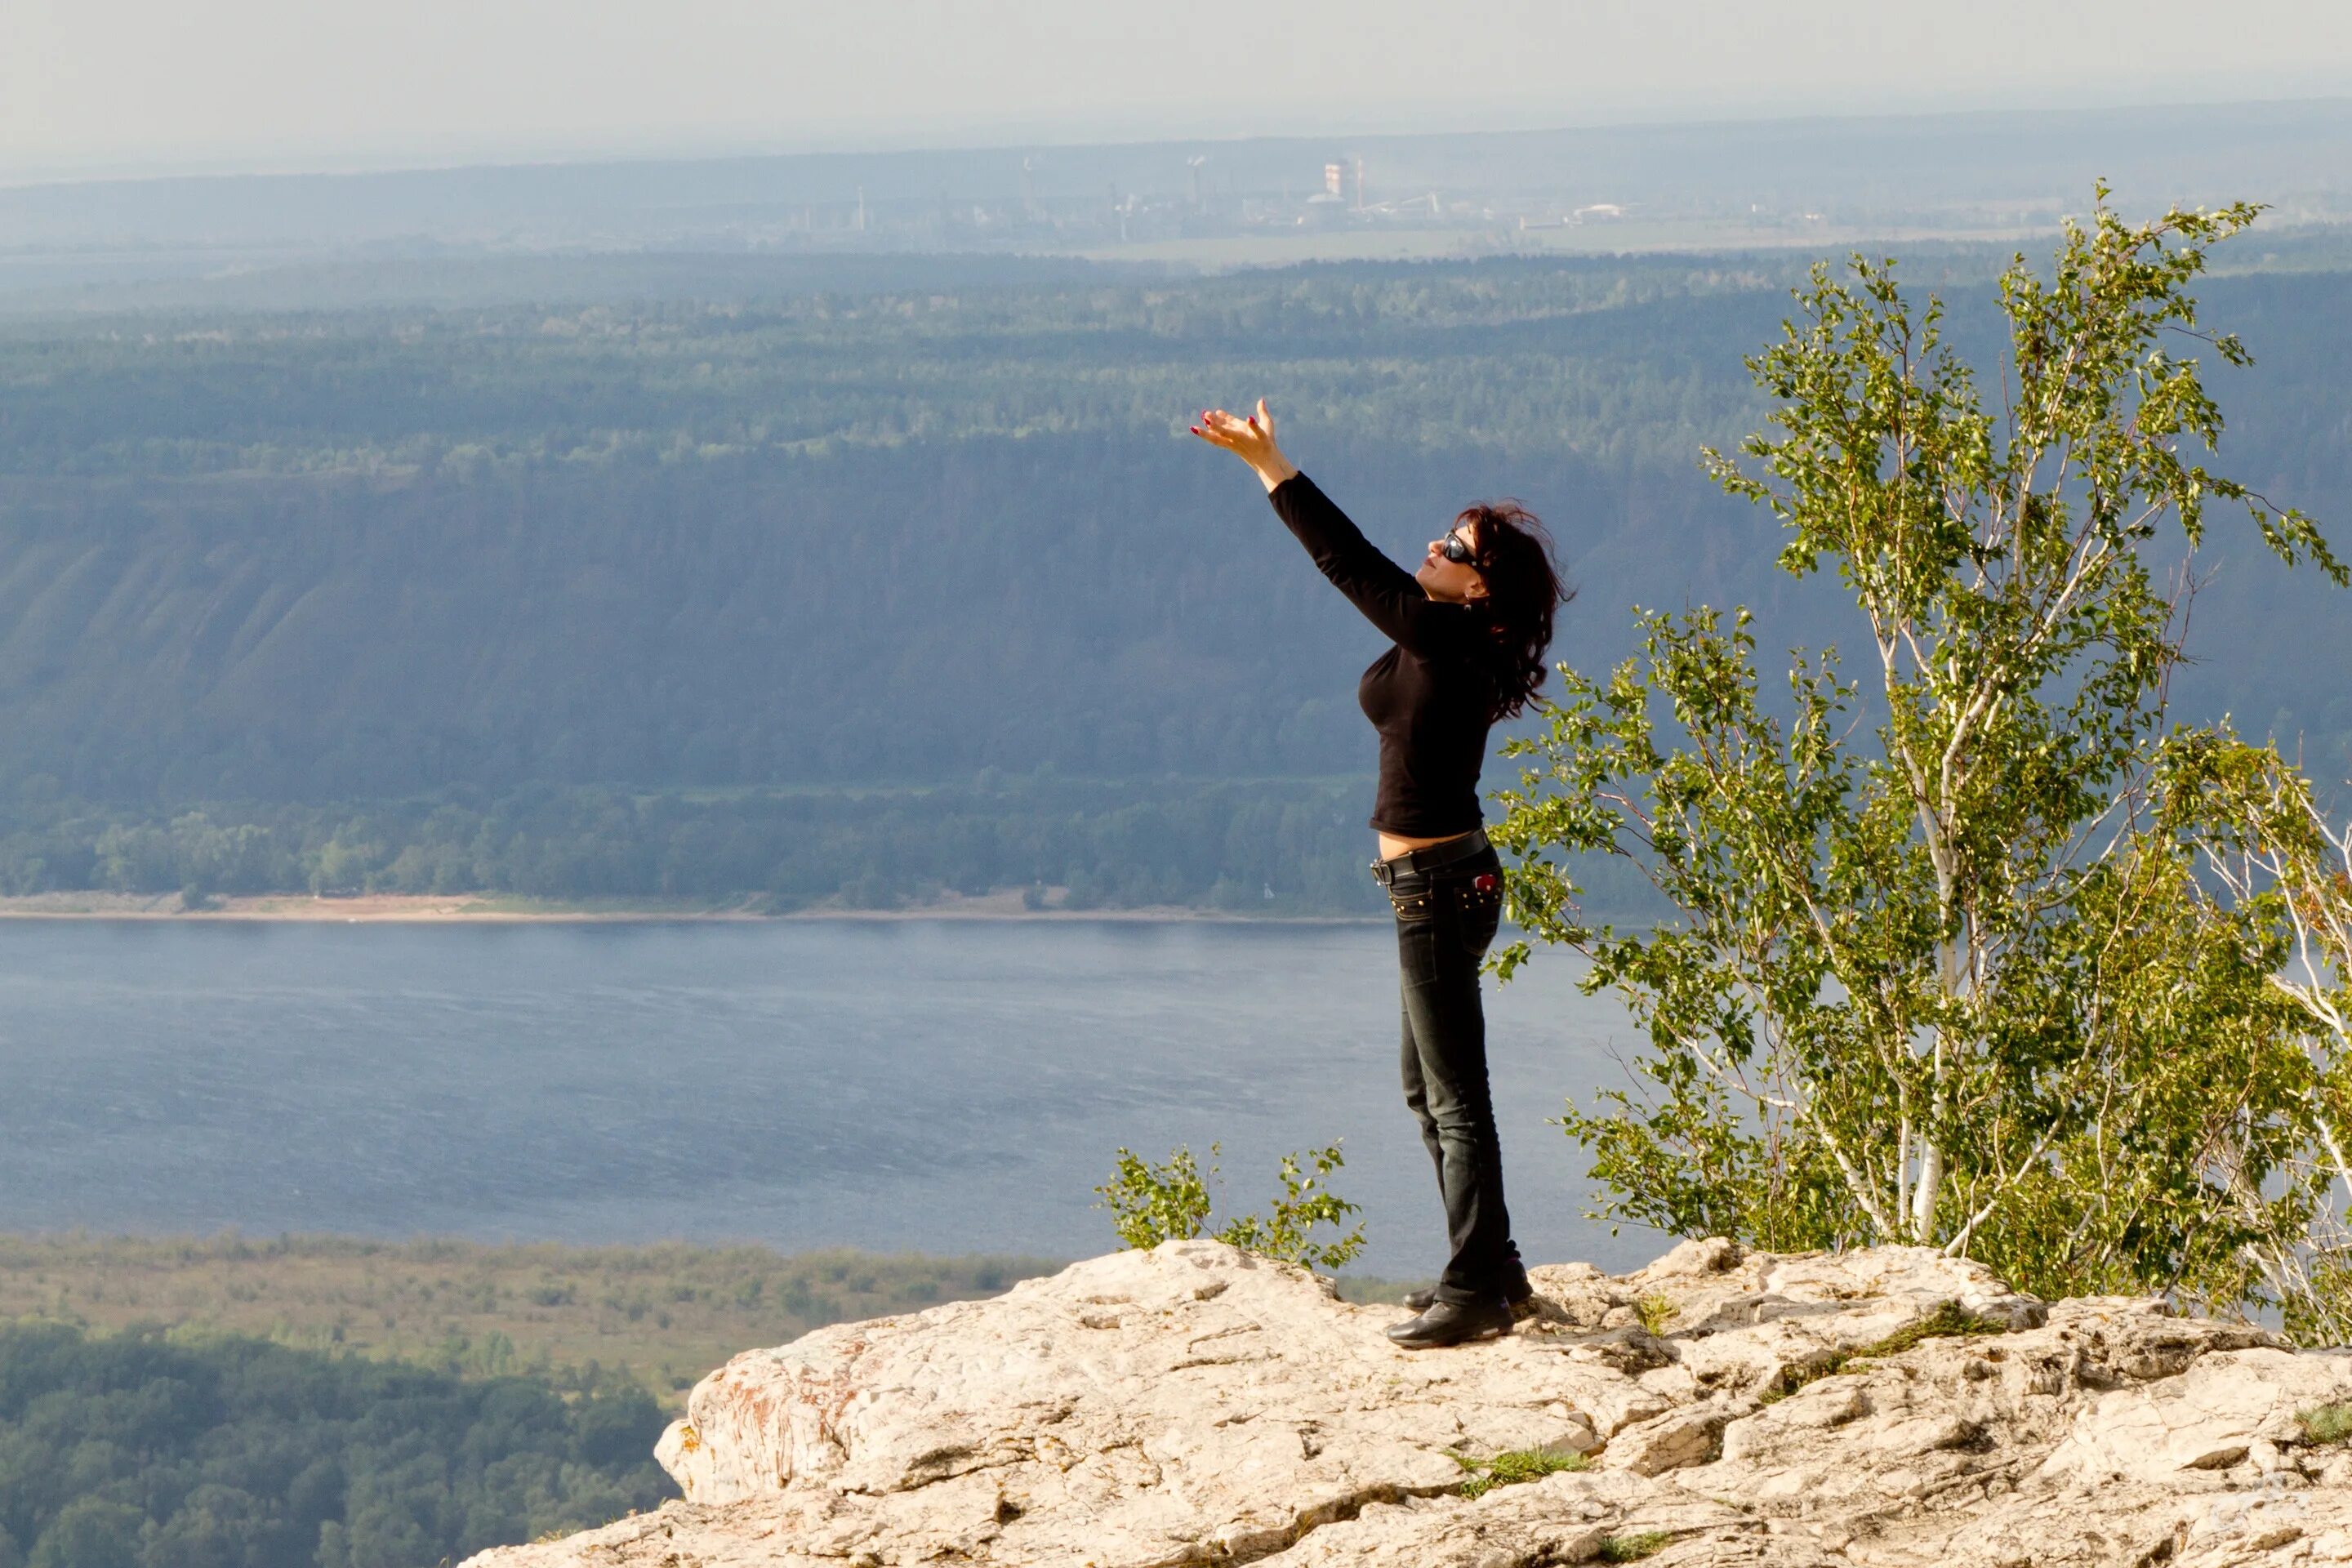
[2268,847]
[1939,972]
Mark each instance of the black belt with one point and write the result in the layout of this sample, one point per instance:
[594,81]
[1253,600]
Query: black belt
[1453,850]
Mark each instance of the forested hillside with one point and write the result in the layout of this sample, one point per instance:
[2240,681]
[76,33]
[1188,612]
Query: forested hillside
[135,1451]
[308,571]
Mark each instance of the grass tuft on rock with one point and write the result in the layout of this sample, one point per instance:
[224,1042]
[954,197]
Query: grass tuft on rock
[1656,1313]
[2325,1423]
[1949,1320]
[1633,1548]
[1793,1378]
[1508,1469]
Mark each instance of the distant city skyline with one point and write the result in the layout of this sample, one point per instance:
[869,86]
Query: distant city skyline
[139,86]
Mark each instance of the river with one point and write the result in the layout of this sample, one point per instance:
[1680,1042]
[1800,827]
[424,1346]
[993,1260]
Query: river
[945,1087]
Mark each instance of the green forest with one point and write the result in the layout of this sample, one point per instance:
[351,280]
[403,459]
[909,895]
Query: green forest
[838,594]
[337,1402]
[1279,846]
[579,1318]
[142,1450]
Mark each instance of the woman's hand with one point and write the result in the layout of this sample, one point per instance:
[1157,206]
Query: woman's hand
[1251,440]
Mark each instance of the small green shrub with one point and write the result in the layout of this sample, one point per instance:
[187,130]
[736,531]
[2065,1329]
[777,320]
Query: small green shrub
[1634,1548]
[1305,1203]
[1656,1313]
[2325,1423]
[1519,1465]
[1151,1203]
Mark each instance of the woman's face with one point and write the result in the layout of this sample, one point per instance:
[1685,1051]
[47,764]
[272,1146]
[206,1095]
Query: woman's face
[1452,582]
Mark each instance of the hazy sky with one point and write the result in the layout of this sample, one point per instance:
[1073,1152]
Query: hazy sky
[124,84]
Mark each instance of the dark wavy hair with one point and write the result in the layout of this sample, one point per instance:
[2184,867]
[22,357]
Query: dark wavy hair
[1524,588]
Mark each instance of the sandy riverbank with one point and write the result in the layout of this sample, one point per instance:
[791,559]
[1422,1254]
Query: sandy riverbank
[426,909]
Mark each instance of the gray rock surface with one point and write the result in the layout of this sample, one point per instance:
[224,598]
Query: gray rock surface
[1194,1404]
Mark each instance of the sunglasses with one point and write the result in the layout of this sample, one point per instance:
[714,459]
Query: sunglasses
[1453,548]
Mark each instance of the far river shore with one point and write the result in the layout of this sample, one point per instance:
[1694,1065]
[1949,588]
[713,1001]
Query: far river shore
[429,909]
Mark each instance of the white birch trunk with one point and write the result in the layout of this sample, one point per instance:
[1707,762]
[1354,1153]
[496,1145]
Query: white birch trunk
[1923,1196]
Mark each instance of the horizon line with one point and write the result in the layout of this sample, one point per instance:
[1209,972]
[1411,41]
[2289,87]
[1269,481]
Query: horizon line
[355,164]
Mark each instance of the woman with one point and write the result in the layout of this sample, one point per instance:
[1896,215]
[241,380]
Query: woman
[1470,628]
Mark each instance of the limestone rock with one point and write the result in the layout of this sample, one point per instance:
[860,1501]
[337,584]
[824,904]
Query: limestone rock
[1194,1404]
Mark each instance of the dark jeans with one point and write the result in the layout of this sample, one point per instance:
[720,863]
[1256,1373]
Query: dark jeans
[1446,919]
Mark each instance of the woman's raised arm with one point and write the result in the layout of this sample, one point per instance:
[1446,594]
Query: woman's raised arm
[1386,593]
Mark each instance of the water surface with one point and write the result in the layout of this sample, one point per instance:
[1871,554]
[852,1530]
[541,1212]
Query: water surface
[929,1086]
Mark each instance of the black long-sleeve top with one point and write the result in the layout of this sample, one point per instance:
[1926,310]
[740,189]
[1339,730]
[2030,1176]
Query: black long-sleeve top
[1429,696]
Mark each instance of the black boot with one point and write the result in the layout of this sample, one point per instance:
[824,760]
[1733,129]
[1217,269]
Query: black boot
[1517,1294]
[1453,1324]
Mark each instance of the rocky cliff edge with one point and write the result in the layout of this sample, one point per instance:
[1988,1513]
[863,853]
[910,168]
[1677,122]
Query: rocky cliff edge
[1195,1404]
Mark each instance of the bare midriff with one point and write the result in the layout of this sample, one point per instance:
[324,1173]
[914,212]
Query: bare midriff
[1391,846]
